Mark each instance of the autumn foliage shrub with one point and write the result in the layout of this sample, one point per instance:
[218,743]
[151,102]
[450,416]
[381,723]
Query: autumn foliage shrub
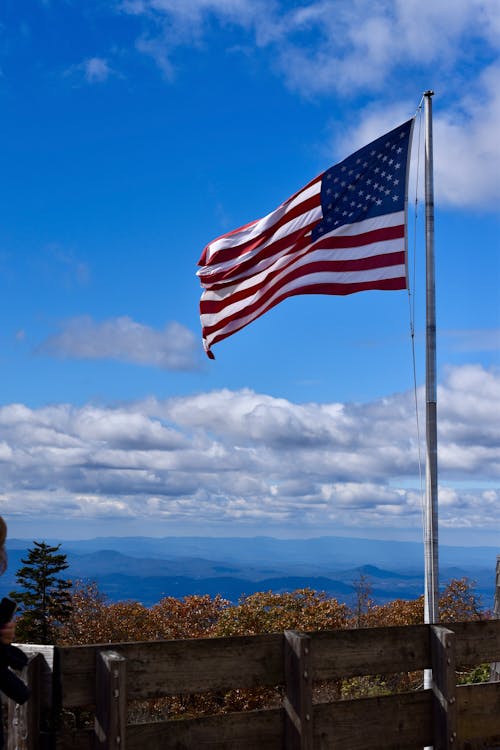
[95,620]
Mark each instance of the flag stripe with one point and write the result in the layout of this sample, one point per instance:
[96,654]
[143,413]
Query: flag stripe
[235,241]
[214,312]
[346,284]
[257,293]
[344,232]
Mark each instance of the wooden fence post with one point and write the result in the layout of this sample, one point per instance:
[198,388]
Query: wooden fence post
[444,688]
[23,730]
[111,701]
[495,667]
[298,691]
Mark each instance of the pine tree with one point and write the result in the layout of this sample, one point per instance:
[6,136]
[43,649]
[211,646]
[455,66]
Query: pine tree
[45,599]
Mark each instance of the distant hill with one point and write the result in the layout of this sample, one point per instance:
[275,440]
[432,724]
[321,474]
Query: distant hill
[146,569]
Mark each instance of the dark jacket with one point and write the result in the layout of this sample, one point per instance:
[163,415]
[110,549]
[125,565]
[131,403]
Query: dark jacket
[10,684]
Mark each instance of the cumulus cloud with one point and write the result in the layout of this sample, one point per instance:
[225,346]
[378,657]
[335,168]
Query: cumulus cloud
[227,456]
[328,45]
[350,46]
[173,348]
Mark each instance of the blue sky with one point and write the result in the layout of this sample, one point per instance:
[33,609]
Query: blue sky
[136,131]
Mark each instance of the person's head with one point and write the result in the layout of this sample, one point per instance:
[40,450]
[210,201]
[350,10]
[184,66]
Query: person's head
[3,551]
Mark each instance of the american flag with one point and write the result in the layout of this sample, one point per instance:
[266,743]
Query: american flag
[344,232]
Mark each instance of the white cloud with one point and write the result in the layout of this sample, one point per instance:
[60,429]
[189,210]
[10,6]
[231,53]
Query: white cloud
[478,340]
[349,46]
[96,69]
[226,456]
[468,147]
[92,70]
[173,348]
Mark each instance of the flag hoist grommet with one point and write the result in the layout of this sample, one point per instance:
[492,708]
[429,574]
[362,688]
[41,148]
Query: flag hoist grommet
[344,232]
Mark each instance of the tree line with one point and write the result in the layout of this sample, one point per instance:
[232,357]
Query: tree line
[55,610]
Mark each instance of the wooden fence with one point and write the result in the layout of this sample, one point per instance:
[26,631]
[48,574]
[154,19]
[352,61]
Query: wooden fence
[103,679]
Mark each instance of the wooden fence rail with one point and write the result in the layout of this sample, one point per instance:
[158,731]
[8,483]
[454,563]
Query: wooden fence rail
[104,678]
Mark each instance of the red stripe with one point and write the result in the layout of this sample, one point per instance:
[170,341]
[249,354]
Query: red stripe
[330,289]
[227,254]
[321,266]
[337,242]
[224,278]
[292,243]
[202,261]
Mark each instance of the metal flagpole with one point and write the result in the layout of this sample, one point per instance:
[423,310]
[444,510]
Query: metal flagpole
[431,585]
[431,514]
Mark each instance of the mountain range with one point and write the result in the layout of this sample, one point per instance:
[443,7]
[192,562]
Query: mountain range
[147,569]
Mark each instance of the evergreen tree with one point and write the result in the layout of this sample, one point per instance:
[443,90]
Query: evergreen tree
[45,599]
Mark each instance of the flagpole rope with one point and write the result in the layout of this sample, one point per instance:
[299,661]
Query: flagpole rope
[411,311]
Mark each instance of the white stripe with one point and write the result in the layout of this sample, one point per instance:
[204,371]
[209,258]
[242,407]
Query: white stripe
[261,225]
[348,230]
[376,275]
[310,217]
[314,279]
[302,258]
[369,225]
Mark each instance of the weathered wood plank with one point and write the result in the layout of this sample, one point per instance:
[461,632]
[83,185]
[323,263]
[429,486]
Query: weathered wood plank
[444,687]
[162,668]
[250,730]
[393,722]
[75,739]
[350,653]
[237,731]
[46,667]
[298,691]
[476,642]
[478,709]
[111,708]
